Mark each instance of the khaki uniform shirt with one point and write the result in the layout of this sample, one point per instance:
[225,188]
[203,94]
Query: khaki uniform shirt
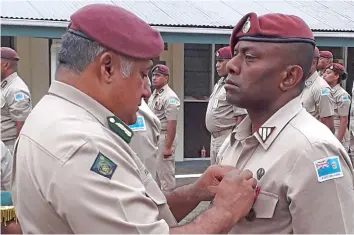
[6,167]
[221,114]
[165,105]
[304,173]
[146,134]
[76,173]
[342,102]
[16,104]
[317,98]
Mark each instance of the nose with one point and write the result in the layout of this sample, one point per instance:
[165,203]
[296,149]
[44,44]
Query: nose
[232,66]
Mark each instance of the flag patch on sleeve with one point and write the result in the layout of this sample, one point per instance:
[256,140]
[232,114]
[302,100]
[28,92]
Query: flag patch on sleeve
[328,168]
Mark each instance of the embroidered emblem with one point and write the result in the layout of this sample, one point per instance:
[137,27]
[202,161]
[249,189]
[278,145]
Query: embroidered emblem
[325,91]
[345,97]
[172,101]
[103,166]
[246,26]
[139,125]
[328,168]
[19,96]
[265,132]
[260,173]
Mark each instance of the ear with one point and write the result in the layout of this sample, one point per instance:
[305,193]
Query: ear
[291,77]
[107,69]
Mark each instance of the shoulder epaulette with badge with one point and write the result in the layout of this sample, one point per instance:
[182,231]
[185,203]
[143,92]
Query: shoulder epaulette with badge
[3,84]
[120,128]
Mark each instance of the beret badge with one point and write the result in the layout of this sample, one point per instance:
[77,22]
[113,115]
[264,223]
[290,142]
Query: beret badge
[217,54]
[246,26]
[331,68]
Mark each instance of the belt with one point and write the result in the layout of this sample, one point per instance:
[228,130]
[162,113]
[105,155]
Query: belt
[220,133]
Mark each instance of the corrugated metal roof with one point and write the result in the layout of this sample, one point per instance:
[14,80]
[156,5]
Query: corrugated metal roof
[320,15]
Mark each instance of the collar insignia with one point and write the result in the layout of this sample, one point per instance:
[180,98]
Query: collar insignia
[265,132]
[120,128]
[3,84]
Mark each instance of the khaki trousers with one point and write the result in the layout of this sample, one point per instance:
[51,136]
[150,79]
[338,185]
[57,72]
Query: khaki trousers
[165,177]
[215,144]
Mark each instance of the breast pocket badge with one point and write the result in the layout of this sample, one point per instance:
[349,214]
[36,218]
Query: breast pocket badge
[139,125]
[158,105]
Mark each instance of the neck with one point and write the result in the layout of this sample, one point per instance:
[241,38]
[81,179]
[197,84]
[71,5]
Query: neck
[259,116]
[333,84]
[160,87]
[4,75]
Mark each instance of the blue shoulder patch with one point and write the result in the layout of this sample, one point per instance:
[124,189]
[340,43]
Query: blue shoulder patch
[325,91]
[103,166]
[345,97]
[328,168]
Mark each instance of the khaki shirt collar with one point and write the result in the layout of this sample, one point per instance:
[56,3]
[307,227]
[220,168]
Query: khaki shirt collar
[336,87]
[269,131]
[311,79]
[161,91]
[82,100]
[8,79]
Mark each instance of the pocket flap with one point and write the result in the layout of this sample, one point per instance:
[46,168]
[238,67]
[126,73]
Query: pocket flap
[265,205]
[153,192]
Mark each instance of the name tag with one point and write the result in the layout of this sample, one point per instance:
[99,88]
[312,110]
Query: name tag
[139,125]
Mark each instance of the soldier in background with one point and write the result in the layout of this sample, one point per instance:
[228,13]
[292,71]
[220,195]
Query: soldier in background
[146,133]
[326,58]
[221,116]
[317,96]
[16,103]
[165,104]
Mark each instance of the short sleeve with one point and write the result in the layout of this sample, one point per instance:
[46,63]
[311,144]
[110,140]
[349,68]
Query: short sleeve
[343,104]
[6,167]
[99,190]
[320,192]
[324,100]
[20,104]
[172,105]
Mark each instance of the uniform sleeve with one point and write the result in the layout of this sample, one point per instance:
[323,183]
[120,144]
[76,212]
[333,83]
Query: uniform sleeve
[326,206]
[99,190]
[239,111]
[324,101]
[20,104]
[6,167]
[343,105]
[172,105]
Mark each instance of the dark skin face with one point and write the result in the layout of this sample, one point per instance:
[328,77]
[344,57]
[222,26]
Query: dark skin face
[221,67]
[159,80]
[261,80]
[323,63]
[103,81]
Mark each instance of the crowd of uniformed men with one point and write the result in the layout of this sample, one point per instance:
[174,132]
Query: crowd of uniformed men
[97,153]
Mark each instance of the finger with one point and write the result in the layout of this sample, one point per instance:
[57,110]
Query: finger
[220,171]
[212,189]
[246,174]
[252,182]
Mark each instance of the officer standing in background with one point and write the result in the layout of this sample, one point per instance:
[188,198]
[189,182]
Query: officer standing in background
[74,171]
[334,75]
[16,103]
[165,104]
[317,96]
[221,116]
[146,133]
[326,58]
[304,173]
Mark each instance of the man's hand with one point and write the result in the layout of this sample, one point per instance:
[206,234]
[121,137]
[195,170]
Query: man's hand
[235,193]
[167,152]
[209,179]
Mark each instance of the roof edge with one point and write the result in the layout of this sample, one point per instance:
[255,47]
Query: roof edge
[164,28]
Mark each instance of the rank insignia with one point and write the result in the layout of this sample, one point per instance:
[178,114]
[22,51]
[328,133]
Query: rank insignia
[120,128]
[265,132]
[103,166]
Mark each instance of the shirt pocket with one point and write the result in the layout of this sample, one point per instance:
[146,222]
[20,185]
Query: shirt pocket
[158,105]
[265,205]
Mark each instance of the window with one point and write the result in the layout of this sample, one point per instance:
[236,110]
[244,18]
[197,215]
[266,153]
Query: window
[7,41]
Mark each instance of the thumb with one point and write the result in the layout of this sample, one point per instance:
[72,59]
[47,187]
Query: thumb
[220,171]
[213,189]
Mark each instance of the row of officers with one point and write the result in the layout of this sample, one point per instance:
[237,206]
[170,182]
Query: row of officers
[86,156]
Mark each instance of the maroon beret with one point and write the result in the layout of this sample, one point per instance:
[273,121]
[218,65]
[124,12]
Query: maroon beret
[272,27]
[160,68]
[326,54]
[338,68]
[9,54]
[224,53]
[117,29]
[316,53]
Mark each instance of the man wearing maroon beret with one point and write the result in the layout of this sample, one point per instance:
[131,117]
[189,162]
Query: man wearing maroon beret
[221,116]
[304,174]
[326,58]
[74,170]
